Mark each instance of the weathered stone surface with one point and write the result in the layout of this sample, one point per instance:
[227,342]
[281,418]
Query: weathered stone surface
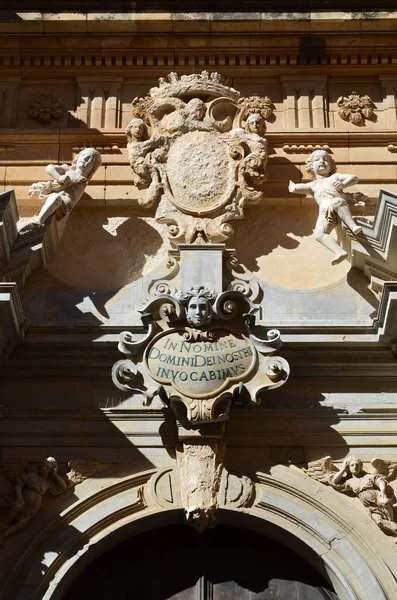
[199,172]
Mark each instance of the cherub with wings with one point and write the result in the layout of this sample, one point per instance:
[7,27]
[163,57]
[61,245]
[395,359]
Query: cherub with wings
[372,489]
[30,487]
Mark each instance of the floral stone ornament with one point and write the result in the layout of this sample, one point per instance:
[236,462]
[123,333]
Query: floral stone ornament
[355,108]
[198,151]
[45,108]
[192,358]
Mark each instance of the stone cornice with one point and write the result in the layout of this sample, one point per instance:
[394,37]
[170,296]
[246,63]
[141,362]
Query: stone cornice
[111,142]
[175,22]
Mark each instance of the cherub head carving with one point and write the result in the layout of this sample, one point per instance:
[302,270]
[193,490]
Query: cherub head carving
[87,162]
[321,163]
[354,465]
[198,302]
[255,124]
[136,130]
[49,465]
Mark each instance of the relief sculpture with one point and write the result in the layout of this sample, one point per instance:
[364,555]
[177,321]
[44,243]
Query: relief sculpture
[31,485]
[373,489]
[199,151]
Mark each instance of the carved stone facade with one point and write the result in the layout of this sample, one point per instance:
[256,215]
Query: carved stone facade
[171,331]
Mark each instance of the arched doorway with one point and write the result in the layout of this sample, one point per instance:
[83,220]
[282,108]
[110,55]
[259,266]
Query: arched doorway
[177,563]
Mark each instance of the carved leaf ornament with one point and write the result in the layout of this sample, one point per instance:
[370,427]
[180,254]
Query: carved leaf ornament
[45,108]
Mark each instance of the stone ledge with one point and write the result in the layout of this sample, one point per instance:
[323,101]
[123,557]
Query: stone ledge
[211,22]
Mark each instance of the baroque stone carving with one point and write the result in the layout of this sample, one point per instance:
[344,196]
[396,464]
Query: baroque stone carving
[371,488]
[31,486]
[200,483]
[303,148]
[202,365]
[355,108]
[199,151]
[197,302]
[110,149]
[62,194]
[45,108]
[332,201]
[200,466]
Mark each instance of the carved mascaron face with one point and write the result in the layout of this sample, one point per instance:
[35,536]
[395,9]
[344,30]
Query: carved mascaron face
[198,312]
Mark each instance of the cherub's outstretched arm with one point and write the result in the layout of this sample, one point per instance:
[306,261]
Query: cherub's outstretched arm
[300,188]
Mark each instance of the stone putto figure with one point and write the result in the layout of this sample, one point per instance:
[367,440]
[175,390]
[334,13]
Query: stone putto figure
[197,301]
[327,189]
[68,186]
[254,144]
[29,491]
[372,489]
[144,153]
[188,118]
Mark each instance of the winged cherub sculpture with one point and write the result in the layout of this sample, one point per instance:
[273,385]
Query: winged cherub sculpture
[31,486]
[373,489]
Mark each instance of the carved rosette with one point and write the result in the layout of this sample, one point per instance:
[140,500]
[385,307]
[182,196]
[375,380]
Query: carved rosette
[189,356]
[355,108]
[199,152]
[45,108]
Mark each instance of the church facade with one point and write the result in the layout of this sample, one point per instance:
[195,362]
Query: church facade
[198,291]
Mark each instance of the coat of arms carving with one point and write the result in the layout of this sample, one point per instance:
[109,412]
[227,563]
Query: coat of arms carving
[198,150]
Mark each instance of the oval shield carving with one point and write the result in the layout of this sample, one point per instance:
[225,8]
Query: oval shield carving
[200,369]
[200,173]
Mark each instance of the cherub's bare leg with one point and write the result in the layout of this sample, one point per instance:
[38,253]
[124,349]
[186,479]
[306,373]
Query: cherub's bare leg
[320,232]
[50,206]
[346,216]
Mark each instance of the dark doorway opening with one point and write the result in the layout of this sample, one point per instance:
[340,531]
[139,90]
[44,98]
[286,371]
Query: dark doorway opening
[177,563]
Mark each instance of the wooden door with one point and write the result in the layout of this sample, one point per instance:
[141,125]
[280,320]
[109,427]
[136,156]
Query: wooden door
[177,563]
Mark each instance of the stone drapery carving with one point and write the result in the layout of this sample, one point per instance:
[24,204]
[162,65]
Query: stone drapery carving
[371,488]
[31,486]
[332,201]
[355,108]
[62,194]
[200,159]
[45,108]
